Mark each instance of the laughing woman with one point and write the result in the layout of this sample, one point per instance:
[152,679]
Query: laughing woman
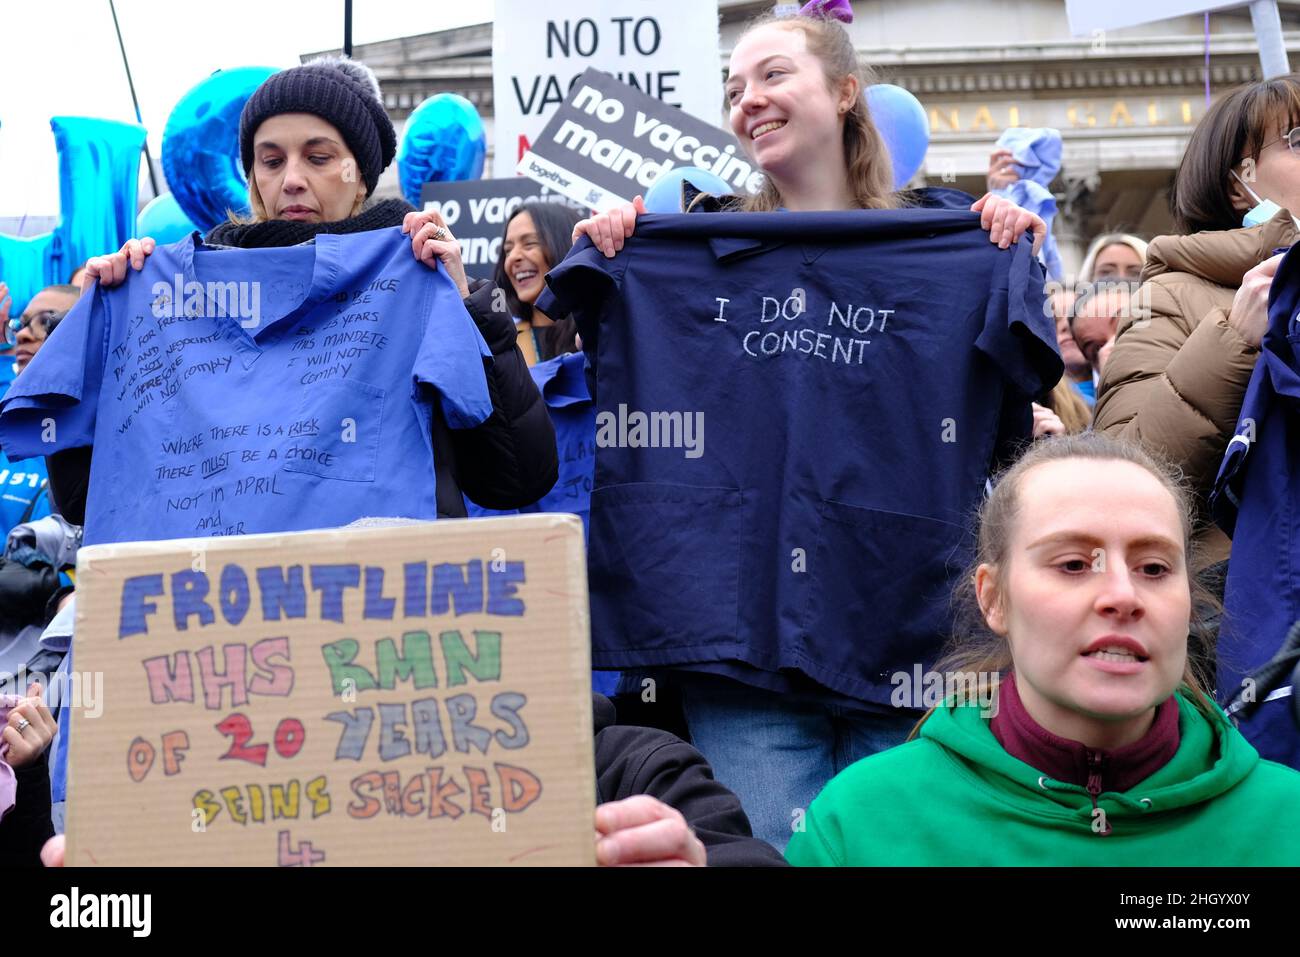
[1099,748]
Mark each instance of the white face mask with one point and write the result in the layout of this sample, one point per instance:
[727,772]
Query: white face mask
[1264,210]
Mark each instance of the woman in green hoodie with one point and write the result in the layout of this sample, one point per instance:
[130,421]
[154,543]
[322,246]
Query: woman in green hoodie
[1097,746]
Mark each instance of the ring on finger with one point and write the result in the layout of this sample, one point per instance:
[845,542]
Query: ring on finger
[440,233]
[23,724]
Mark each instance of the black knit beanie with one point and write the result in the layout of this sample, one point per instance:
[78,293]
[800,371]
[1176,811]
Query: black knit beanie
[342,92]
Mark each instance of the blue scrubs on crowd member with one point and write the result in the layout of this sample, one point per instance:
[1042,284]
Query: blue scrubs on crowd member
[797,415]
[1257,502]
[236,391]
[564,387]
[23,493]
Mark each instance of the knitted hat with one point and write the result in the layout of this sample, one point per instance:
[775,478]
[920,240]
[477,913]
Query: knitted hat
[340,91]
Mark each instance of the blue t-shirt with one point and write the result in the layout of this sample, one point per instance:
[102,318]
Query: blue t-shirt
[1256,500]
[20,485]
[231,391]
[796,415]
[24,492]
[564,389]
[25,485]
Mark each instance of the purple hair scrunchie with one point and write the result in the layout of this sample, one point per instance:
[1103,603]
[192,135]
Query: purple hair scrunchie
[831,9]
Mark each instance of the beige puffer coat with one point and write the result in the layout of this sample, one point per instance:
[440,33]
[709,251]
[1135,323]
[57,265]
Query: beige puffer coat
[1177,374]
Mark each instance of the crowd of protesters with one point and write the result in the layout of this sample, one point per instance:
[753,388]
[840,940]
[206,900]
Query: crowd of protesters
[1100,740]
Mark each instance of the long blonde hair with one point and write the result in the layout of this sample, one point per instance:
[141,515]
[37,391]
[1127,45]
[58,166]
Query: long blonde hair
[1135,243]
[1068,404]
[870,172]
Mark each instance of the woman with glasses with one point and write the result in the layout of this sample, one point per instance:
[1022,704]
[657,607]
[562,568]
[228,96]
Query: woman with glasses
[23,485]
[1178,370]
[28,332]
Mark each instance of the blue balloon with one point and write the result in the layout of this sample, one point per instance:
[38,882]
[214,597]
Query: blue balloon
[903,125]
[26,267]
[200,146]
[99,166]
[443,142]
[164,220]
[665,193]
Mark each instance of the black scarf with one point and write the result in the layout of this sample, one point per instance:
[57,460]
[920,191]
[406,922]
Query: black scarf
[286,232]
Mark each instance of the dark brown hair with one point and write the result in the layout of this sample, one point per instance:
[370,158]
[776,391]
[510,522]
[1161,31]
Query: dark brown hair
[1234,129]
[870,171]
[974,647]
[553,223]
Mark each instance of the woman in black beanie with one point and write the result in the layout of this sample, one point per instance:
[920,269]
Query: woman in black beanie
[314,140]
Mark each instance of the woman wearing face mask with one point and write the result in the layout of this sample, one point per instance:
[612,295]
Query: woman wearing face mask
[1178,371]
[1096,746]
[314,140]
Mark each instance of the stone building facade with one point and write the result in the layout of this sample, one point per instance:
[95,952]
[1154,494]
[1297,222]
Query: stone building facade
[1125,101]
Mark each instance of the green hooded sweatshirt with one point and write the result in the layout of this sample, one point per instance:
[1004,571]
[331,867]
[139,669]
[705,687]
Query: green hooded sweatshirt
[954,796]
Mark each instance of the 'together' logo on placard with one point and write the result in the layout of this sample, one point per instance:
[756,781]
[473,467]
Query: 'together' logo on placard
[132,911]
[550,174]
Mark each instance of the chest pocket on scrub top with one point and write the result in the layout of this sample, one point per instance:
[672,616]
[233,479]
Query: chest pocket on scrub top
[335,431]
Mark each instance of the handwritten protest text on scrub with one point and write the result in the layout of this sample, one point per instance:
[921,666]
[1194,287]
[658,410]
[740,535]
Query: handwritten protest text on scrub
[792,324]
[216,475]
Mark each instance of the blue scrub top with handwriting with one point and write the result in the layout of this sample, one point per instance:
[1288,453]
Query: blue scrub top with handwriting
[796,415]
[231,391]
[564,389]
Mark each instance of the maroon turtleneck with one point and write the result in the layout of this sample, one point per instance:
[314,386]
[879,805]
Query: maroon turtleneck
[1096,769]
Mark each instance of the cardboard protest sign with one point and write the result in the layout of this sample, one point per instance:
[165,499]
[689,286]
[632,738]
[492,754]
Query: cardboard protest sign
[476,212]
[414,695]
[666,48]
[608,142]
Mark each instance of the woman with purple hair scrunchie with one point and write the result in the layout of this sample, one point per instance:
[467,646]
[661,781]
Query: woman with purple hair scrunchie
[795,93]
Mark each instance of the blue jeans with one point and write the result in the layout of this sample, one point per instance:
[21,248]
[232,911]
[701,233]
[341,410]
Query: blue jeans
[776,751]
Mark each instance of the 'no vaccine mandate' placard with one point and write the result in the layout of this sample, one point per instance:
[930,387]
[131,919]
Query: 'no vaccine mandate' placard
[609,141]
[476,212]
[414,695]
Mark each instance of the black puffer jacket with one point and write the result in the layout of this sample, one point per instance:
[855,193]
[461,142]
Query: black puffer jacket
[507,462]
[510,460]
[632,760]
